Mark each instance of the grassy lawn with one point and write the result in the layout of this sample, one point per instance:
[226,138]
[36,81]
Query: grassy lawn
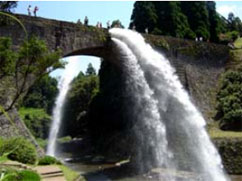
[70,174]
[215,132]
[238,43]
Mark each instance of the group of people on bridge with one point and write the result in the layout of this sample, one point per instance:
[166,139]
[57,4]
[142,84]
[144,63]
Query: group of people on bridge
[34,11]
[98,25]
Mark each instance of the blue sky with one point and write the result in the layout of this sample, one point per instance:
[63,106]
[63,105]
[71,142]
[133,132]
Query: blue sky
[101,11]
[225,7]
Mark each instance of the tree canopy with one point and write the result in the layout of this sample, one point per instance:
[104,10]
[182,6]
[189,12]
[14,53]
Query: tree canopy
[83,89]
[117,23]
[42,94]
[90,70]
[230,101]
[185,19]
[27,64]
[8,6]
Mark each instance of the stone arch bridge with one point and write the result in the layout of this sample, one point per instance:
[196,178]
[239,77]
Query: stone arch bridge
[198,64]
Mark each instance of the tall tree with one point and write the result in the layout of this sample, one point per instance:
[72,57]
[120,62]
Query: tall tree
[42,94]
[8,6]
[234,23]
[215,27]
[83,89]
[163,18]
[90,70]
[144,16]
[117,23]
[197,15]
[171,21]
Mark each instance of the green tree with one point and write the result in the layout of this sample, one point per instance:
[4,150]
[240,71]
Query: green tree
[83,89]
[7,58]
[163,18]
[117,24]
[144,16]
[197,15]
[234,23]
[8,6]
[214,21]
[33,61]
[90,70]
[230,101]
[42,94]
[171,20]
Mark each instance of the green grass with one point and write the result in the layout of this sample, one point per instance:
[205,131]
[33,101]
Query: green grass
[3,159]
[215,132]
[238,43]
[70,174]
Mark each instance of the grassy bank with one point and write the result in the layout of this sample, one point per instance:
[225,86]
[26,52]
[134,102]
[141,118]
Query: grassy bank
[70,174]
[215,132]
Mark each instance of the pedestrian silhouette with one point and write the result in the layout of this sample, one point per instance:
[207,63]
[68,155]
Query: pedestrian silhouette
[29,10]
[35,10]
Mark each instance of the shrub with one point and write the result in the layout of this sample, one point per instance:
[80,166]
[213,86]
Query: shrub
[230,101]
[36,120]
[48,160]
[24,175]
[42,143]
[19,149]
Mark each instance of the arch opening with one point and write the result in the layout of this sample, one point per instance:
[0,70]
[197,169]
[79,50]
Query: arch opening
[77,84]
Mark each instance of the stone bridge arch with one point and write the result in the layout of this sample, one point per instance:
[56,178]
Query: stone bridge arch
[71,38]
[198,64]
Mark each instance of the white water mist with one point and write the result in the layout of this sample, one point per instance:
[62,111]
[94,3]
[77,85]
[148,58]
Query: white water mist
[70,71]
[184,126]
[148,129]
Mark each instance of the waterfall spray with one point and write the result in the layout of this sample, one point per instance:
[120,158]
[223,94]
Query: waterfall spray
[180,123]
[148,129]
[71,70]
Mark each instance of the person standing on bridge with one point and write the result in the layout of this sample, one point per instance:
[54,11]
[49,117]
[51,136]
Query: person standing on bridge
[29,10]
[108,25]
[35,10]
[86,21]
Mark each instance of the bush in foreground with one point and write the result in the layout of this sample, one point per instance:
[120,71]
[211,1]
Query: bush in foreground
[23,175]
[48,160]
[19,149]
